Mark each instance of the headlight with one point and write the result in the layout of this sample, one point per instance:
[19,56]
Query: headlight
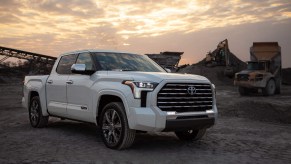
[137,87]
[149,85]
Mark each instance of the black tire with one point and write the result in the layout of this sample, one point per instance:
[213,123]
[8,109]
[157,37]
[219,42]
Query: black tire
[115,131]
[37,120]
[243,91]
[270,89]
[190,135]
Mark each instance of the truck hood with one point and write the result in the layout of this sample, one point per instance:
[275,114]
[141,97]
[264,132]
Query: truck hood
[153,76]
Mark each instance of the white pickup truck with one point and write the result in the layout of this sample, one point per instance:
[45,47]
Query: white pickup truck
[122,93]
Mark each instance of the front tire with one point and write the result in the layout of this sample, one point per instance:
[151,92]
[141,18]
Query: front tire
[270,89]
[190,135]
[37,120]
[115,131]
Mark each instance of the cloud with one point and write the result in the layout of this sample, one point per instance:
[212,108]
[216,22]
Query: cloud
[55,26]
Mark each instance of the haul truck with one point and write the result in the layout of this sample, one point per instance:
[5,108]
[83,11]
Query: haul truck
[263,71]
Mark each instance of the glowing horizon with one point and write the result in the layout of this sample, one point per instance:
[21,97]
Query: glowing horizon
[53,27]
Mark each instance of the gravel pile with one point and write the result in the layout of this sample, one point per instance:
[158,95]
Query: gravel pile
[216,73]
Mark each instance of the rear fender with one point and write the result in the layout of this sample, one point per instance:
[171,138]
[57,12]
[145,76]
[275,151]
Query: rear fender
[36,85]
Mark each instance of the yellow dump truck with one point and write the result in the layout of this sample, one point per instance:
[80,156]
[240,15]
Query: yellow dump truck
[263,73]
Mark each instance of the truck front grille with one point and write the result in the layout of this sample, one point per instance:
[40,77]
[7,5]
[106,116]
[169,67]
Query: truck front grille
[185,97]
[242,77]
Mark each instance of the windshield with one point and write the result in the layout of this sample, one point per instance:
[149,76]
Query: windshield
[126,62]
[256,66]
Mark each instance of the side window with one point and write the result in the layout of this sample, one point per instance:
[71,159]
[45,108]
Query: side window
[64,66]
[85,58]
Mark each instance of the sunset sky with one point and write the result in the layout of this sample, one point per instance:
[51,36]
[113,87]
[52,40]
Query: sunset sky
[194,27]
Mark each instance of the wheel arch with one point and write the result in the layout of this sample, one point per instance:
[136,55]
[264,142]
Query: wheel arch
[31,95]
[105,97]
[42,98]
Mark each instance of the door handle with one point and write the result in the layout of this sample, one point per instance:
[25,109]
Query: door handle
[49,81]
[69,82]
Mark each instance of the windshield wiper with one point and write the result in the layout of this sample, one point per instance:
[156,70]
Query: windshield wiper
[122,70]
[126,70]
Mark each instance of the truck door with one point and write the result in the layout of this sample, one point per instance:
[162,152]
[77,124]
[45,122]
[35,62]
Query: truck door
[79,95]
[56,87]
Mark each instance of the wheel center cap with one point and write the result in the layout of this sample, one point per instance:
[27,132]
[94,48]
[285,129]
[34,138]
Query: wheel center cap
[111,127]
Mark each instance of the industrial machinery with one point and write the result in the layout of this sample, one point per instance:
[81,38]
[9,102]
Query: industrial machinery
[167,59]
[263,71]
[221,56]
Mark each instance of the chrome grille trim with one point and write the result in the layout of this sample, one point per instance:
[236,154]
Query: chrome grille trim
[186,102]
[184,97]
[184,93]
[194,106]
[175,97]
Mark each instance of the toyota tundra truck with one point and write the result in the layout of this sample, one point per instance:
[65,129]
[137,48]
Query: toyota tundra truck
[123,93]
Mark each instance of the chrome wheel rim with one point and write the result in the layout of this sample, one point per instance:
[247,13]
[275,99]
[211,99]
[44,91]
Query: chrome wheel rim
[34,114]
[190,131]
[111,127]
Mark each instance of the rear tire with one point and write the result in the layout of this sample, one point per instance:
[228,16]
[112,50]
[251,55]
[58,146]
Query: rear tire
[190,135]
[270,89]
[115,131]
[37,120]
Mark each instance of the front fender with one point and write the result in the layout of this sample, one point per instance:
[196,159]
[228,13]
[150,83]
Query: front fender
[114,88]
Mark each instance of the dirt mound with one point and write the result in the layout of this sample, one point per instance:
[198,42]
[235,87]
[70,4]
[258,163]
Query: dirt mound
[215,73]
[286,76]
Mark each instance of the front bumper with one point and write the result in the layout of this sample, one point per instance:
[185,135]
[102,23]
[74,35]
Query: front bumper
[189,124]
[152,118]
[251,83]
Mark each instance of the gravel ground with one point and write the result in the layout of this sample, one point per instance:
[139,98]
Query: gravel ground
[241,135]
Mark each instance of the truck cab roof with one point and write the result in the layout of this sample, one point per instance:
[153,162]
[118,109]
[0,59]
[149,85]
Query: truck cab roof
[94,50]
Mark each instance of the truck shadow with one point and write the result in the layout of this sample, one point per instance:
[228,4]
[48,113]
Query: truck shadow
[144,141]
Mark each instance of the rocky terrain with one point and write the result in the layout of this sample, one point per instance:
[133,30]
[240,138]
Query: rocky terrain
[252,129]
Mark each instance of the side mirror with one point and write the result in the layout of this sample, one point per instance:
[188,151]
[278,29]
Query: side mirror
[81,69]
[78,68]
[168,70]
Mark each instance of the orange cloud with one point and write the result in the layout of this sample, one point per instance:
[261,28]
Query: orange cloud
[54,26]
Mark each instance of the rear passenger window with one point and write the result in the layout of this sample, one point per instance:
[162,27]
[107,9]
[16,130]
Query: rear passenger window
[64,66]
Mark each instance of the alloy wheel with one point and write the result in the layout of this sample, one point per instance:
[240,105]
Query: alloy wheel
[111,127]
[34,112]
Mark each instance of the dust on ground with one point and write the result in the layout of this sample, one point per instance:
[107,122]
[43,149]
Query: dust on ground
[238,137]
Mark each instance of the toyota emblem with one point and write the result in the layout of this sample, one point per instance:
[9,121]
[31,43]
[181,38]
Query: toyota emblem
[191,90]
